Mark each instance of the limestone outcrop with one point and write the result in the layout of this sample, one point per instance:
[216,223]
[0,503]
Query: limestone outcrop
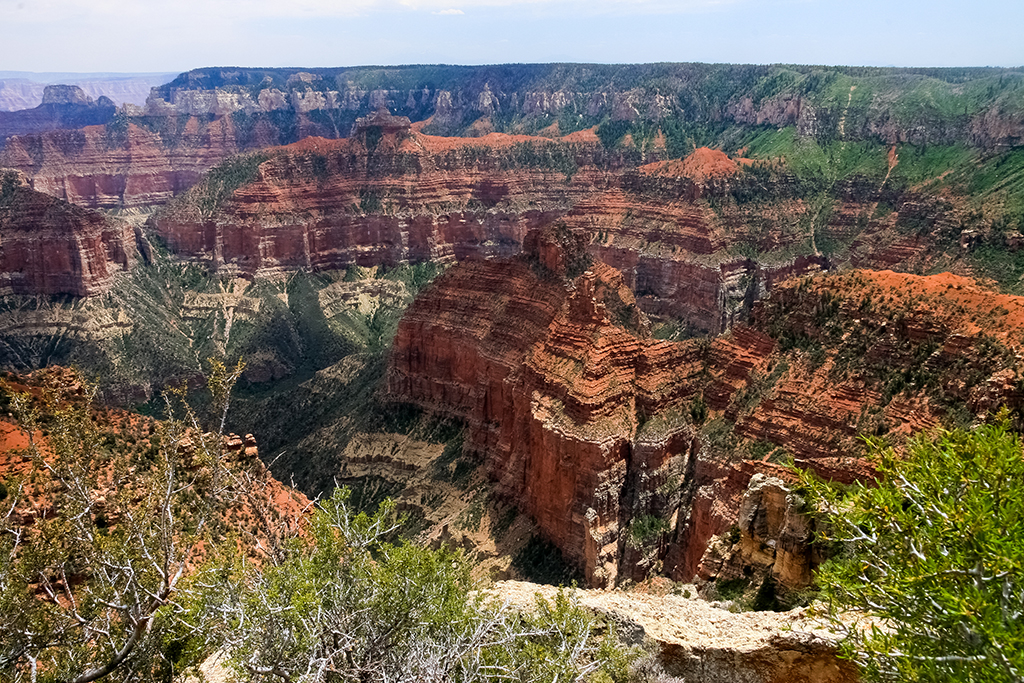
[884,104]
[698,641]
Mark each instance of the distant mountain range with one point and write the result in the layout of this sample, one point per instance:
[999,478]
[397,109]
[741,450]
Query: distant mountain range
[24,89]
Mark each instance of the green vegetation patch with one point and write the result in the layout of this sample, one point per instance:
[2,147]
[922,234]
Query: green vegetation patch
[222,181]
[930,550]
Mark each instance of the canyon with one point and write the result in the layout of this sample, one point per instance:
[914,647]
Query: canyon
[643,306]
[217,112]
[694,248]
[632,454]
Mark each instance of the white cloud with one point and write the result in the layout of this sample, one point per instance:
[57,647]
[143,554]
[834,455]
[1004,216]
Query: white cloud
[449,12]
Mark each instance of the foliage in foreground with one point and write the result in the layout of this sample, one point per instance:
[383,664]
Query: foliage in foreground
[97,537]
[105,583]
[933,557]
[343,603]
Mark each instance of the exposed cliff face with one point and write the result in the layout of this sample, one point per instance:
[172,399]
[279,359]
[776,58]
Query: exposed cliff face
[48,246]
[698,248]
[632,454]
[326,204]
[496,329]
[581,417]
[119,166]
[890,105]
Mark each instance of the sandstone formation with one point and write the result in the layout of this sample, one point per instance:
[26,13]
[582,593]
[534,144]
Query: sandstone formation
[62,107]
[49,246]
[329,204]
[633,454]
[689,248]
[580,416]
[120,165]
[775,541]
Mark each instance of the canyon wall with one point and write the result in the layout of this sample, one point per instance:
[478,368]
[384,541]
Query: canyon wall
[885,104]
[49,246]
[645,110]
[698,248]
[634,455]
[119,166]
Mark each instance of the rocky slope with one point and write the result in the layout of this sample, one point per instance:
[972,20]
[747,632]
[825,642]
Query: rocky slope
[158,323]
[632,454]
[260,512]
[49,246]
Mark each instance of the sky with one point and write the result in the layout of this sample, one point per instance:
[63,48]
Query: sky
[177,35]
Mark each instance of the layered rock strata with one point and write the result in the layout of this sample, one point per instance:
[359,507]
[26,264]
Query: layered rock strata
[324,204]
[400,196]
[698,248]
[633,454]
[49,246]
[882,104]
[120,166]
[582,418]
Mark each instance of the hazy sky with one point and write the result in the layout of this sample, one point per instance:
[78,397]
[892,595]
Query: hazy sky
[176,35]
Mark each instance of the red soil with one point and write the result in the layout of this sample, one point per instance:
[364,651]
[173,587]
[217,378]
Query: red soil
[588,136]
[703,163]
[961,301]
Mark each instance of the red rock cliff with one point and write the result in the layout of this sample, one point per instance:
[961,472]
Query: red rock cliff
[597,430]
[582,418]
[48,246]
[405,196]
[120,167]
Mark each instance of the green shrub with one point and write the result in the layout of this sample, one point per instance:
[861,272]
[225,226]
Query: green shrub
[346,604]
[645,530]
[935,552]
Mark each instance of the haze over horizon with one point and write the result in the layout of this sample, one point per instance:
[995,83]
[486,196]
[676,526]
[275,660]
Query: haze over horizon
[107,36]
